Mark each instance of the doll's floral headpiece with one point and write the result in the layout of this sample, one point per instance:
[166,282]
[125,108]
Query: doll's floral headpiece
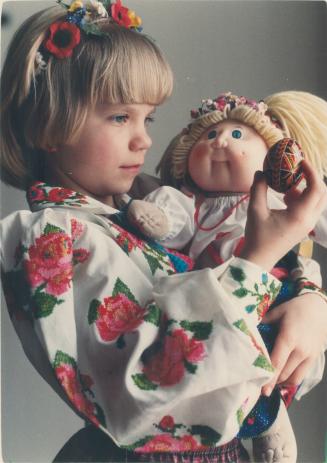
[224,102]
[88,16]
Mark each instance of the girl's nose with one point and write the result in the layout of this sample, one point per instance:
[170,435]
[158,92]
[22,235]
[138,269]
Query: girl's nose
[140,141]
[220,141]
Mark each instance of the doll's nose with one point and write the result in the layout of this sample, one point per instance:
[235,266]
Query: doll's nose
[220,141]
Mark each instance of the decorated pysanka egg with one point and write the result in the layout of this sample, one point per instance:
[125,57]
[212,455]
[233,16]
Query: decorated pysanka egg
[282,165]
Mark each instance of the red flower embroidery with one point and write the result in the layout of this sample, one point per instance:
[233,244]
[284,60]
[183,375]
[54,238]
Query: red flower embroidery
[168,443]
[67,376]
[167,367]
[57,195]
[50,263]
[63,38]
[167,423]
[119,14]
[118,315]
[35,193]
[263,306]
[77,229]
[128,241]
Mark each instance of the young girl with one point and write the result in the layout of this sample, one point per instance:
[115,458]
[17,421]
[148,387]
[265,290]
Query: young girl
[135,348]
[211,165]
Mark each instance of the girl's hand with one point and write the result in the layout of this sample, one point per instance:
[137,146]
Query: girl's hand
[302,336]
[270,234]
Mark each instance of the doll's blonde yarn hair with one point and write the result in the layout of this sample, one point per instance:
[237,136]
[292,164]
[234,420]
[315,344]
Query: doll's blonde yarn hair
[293,114]
[303,116]
[45,106]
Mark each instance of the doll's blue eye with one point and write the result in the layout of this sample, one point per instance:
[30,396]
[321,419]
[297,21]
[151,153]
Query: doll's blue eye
[212,134]
[236,133]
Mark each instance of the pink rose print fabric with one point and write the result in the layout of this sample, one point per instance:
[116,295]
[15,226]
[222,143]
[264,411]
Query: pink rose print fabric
[44,269]
[120,314]
[177,353]
[77,387]
[176,437]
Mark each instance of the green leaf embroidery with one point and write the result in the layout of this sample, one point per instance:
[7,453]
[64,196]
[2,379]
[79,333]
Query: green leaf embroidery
[44,304]
[143,382]
[241,292]
[153,262]
[49,228]
[93,311]
[240,416]
[237,273]
[153,315]
[190,367]
[250,308]
[208,436]
[241,325]
[201,330]
[262,362]
[61,358]
[121,288]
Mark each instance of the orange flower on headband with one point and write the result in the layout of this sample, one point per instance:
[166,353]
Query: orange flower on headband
[63,38]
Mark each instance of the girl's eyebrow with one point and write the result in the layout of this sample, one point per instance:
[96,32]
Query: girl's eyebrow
[123,107]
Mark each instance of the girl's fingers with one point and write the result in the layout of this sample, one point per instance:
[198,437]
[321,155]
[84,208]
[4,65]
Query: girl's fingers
[294,362]
[298,374]
[258,196]
[273,316]
[315,191]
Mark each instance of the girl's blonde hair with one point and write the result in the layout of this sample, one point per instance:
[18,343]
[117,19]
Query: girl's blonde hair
[45,109]
[292,114]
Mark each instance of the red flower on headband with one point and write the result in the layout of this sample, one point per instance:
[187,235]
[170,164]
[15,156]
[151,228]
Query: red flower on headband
[63,38]
[120,14]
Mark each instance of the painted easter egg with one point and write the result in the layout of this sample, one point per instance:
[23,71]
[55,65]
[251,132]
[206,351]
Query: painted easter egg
[282,165]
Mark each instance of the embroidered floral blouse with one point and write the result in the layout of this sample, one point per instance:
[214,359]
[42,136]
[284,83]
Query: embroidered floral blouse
[158,360]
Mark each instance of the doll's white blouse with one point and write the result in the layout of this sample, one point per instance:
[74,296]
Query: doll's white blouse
[213,225]
[151,357]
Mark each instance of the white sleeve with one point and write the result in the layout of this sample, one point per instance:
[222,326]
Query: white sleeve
[133,350]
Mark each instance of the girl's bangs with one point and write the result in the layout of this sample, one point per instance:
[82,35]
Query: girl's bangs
[137,74]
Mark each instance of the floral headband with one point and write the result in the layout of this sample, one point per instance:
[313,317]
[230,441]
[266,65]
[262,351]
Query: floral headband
[226,102]
[88,16]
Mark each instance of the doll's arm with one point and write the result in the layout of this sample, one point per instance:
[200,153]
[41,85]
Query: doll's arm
[166,215]
[148,219]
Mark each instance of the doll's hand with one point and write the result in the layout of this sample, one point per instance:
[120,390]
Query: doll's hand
[148,218]
[302,336]
[270,234]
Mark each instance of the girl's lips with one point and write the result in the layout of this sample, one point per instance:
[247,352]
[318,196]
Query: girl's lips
[132,168]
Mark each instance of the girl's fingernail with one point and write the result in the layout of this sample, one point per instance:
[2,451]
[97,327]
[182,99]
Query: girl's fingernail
[258,175]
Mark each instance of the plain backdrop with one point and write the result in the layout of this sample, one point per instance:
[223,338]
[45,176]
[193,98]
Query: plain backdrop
[252,48]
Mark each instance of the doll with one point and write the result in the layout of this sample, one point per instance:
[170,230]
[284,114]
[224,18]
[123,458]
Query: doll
[208,169]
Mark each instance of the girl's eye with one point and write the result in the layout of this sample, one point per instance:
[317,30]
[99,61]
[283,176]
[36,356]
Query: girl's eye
[212,134]
[149,120]
[236,133]
[119,118]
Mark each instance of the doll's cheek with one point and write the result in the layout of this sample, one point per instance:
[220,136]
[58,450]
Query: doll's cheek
[200,149]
